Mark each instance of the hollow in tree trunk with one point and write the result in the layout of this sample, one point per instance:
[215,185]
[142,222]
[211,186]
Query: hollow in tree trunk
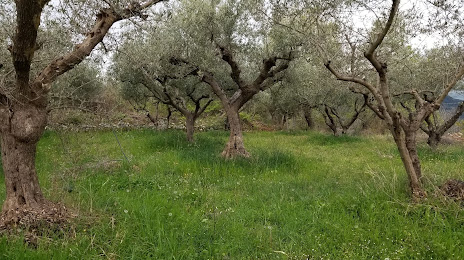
[235,146]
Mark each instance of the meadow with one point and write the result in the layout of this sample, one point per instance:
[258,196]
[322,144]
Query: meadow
[302,195]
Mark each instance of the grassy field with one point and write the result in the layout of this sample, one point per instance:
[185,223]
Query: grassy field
[302,195]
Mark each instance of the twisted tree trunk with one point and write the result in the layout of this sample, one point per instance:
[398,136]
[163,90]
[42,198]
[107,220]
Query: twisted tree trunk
[22,185]
[23,127]
[235,146]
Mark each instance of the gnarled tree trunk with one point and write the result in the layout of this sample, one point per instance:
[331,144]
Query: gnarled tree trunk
[235,146]
[23,127]
[190,126]
[152,119]
[23,110]
[22,185]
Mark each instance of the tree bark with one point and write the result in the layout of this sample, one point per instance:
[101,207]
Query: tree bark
[19,138]
[235,146]
[406,145]
[330,121]
[226,124]
[433,140]
[411,146]
[190,126]
[308,116]
[22,185]
[283,122]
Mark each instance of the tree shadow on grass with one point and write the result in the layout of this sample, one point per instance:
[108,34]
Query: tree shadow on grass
[261,159]
[207,151]
[176,140]
[326,140]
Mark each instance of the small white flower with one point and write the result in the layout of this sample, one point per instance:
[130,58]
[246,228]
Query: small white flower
[170,214]
[126,211]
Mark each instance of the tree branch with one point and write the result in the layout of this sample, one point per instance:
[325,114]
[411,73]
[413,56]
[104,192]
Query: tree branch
[105,20]
[370,53]
[450,85]
[364,83]
[267,70]
[209,79]
[228,57]
[202,109]
[450,122]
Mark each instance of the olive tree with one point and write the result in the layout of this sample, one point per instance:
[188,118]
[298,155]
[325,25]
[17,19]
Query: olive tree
[403,123]
[240,55]
[24,96]
[146,81]
[442,62]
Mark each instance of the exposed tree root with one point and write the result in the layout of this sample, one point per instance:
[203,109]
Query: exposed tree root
[235,148]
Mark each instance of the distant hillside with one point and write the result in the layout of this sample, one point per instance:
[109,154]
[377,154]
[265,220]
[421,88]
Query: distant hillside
[450,104]
[457,94]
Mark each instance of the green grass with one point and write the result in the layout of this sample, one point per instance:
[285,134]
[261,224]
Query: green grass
[302,195]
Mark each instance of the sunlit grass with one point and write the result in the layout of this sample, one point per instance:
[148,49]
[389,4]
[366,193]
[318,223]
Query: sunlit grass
[301,195]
